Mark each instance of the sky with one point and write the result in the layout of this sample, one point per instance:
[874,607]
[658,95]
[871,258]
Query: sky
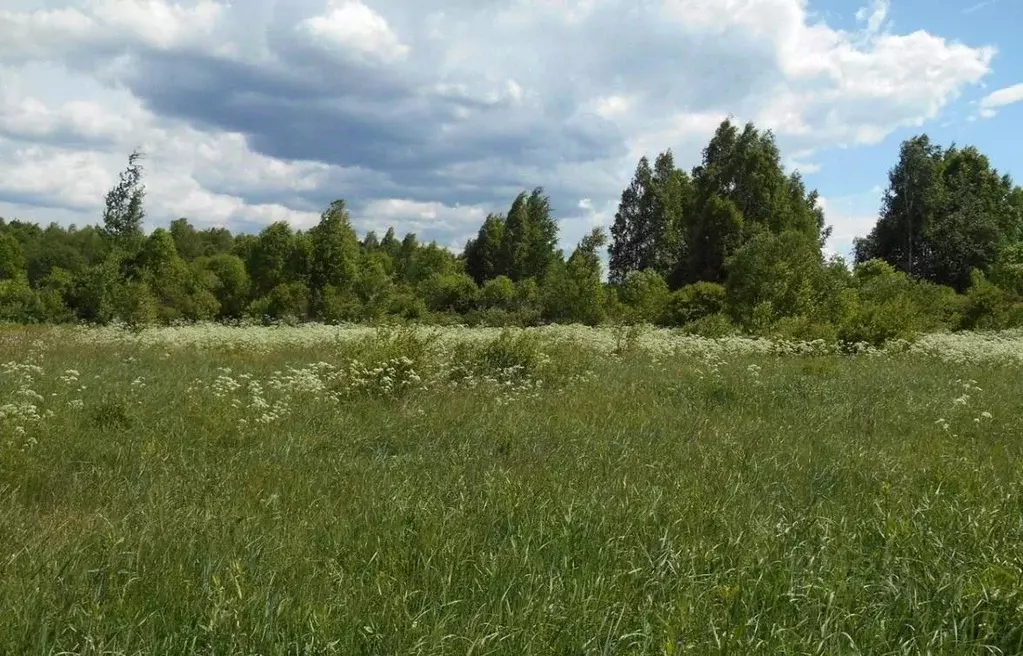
[427,115]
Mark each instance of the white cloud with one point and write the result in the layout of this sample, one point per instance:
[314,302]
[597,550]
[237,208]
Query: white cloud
[40,34]
[30,118]
[850,216]
[685,128]
[978,6]
[50,177]
[805,168]
[108,25]
[991,103]
[837,92]
[160,24]
[263,109]
[456,221]
[612,106]
[874,15]
[353,26]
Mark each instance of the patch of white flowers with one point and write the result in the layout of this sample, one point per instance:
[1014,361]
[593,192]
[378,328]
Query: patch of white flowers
[394,376]
[23,406]
[966,347]
[967,390]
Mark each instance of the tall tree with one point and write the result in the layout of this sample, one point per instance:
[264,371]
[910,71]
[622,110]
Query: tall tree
[231,286]
[370,242]
[390,244]
[573,291]
[270,256]
[945,213]
[650,226]
[516,237]
[483,255]
[405,256]
[741,185]
[713,238]
[976,219]
[529,243]
[541,249]
[913,195]
[177,290]
[334,256]
[12,257]
[629,233]
[124,212]
[672,203]
[187,241]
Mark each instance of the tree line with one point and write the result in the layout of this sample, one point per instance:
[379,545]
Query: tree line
[735,244]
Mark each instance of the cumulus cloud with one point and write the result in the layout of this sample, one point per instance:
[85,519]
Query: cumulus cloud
[355,28]
[850,216]
[991,103]
[430,114]
[100,27]
[874,15]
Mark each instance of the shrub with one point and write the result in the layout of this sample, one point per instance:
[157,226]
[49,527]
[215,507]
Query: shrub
[134,304]
[287,302]
[712,325]
[512,354]
[693,302]
[988,307]
[498,293]
[645,295]
[339,305]
[876,322]
[805,329]
[18,303]
[407,305]
[501,318]
[454,292]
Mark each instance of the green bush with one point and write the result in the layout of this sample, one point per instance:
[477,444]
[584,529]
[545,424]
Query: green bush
[876,322]
[498,293]
[134,304]
[692,303]
[989,307]
[803,328]
[645,295]
[339,305]
[512,355]
[456,292]
[712,325]
[286,302]
[389,343]
[406,304]
[500,318]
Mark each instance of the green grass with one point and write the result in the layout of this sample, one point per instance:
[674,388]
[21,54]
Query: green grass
[581,503]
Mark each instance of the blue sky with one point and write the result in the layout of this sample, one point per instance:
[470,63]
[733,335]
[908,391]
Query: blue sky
[426,115]
[854,177]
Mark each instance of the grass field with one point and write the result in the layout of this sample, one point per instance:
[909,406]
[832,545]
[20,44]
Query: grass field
[564,491]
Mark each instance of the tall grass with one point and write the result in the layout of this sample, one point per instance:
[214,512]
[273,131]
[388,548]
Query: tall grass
[401,493]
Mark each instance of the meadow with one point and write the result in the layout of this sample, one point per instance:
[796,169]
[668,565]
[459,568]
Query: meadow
[567,490]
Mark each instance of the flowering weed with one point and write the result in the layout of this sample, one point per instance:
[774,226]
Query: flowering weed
[345,490]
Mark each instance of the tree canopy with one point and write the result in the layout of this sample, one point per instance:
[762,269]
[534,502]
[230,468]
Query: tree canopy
[732,244]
